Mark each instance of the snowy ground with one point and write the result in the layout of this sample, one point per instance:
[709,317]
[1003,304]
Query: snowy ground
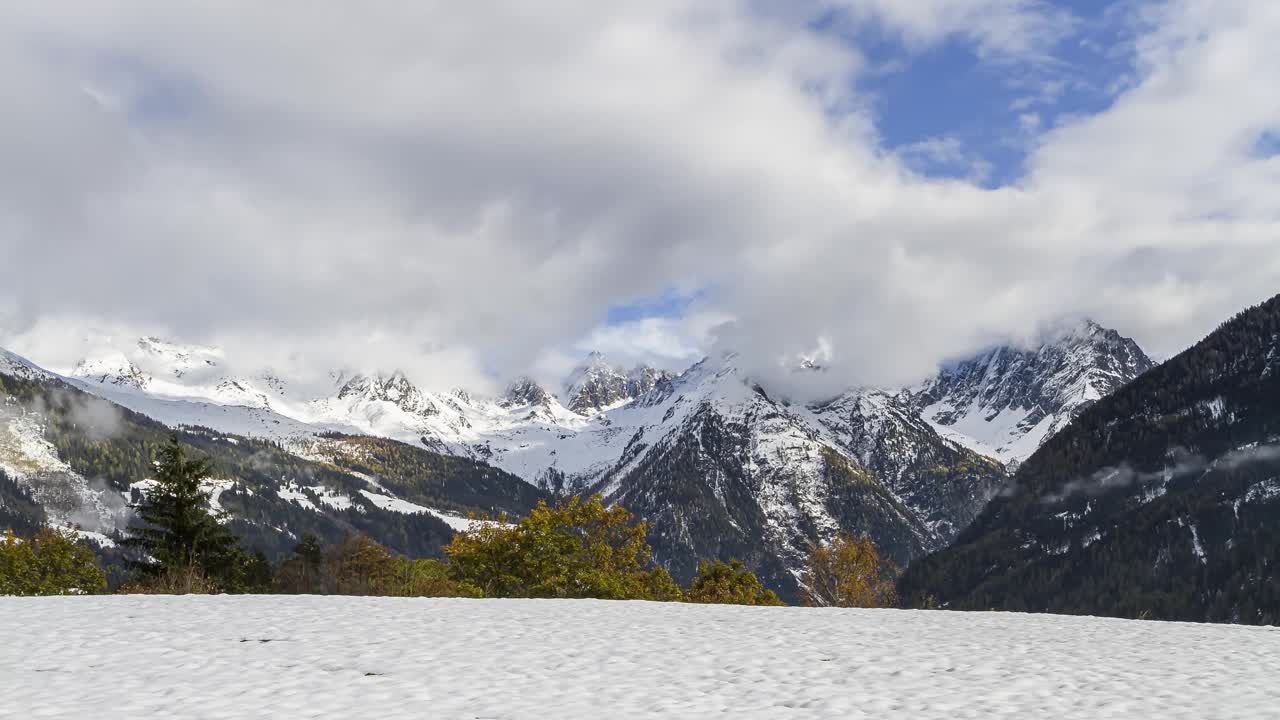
[294,657]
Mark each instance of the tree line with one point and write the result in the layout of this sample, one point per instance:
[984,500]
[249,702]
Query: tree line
[577,548]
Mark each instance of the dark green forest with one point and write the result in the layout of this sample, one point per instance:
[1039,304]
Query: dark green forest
[1160,501]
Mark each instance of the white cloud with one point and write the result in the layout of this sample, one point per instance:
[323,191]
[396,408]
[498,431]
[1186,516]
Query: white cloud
[944,153]
[998,28]
[671,343]
[444,188]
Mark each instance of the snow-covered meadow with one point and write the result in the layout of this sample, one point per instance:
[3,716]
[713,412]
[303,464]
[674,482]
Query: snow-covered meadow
[294,657]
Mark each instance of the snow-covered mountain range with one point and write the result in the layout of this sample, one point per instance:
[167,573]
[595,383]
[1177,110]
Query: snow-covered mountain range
[1002,404]
[717,465]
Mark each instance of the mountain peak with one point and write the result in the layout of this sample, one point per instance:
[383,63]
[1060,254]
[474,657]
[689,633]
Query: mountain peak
[163,357]
[525,391]
[395,389]
[1006,402]
[596,385]
[112,368]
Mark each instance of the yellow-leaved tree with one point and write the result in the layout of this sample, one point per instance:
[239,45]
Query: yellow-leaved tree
[577,549]
[849,572]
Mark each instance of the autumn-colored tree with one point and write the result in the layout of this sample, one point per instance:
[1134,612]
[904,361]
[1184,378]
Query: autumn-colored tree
[849,572]
[729,583]
[360,566]
[577,549]
[50,562]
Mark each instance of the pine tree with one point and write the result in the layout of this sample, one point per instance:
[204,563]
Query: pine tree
[309,550]
[180,539]
[303,572]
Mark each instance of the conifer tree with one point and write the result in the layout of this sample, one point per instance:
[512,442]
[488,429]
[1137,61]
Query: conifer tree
[179,538]
[309,550]
[302,573]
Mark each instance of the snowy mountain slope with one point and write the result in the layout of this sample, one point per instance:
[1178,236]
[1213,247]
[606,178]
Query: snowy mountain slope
[944,481]
[176,390]
[27,457]
[20,367]
[231,418]
[82,459]
[1007,402]
[67,497]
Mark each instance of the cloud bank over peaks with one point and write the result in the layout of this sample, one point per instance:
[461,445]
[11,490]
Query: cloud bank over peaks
[462,191]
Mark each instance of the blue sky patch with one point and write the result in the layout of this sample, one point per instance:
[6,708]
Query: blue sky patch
[671,304]
[1267,145]
[950,112]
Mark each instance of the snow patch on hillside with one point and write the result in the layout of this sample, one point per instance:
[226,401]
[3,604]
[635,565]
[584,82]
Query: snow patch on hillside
[397,505]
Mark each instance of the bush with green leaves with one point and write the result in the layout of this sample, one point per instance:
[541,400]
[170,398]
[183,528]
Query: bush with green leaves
[430,578]
[49,562]
[728,584]
[577,549]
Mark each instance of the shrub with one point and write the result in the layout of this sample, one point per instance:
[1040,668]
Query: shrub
[431,578]
[50,562]
[849,572]
[728,584]
[188,580]
[574,550]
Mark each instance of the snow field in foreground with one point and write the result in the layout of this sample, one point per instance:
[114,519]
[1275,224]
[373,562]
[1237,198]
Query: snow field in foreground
[296,657]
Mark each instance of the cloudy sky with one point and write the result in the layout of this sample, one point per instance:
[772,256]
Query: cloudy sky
[469,190]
